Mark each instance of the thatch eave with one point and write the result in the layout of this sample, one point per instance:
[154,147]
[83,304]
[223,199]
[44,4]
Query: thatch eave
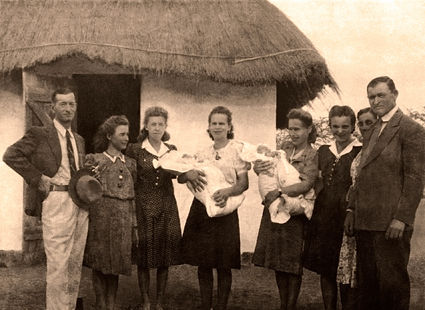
[240,42]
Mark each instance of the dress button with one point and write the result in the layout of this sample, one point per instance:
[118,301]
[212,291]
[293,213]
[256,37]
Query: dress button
[119,185]
[157,178]
[156,183]
[120,177]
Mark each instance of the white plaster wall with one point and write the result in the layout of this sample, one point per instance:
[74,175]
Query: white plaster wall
[189,104]
[12,127]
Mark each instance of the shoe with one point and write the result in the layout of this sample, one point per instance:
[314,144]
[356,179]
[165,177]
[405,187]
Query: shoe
[79,304]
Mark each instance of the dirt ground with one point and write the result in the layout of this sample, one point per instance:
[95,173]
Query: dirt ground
[254,288]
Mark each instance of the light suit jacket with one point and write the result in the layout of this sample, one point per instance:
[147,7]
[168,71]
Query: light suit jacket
[390,183]
[38,152]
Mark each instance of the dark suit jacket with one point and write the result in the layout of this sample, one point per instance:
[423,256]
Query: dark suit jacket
[38,152]
[390,183]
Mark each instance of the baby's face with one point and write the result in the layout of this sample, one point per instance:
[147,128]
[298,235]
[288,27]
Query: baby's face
[262,149]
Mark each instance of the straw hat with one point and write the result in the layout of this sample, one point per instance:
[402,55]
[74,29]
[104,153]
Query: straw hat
[84,189]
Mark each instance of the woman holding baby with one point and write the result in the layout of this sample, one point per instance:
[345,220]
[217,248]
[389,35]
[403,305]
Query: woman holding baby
[280,246]
[156,208]
[214,242]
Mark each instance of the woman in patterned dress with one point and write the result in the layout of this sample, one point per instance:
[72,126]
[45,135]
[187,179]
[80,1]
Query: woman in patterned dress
[325,230]
[156,208]
[279,246]
[109,239]
[347,268]
[215,242]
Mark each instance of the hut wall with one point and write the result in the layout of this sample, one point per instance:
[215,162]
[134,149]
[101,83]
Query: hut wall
[12,127]
[189,103]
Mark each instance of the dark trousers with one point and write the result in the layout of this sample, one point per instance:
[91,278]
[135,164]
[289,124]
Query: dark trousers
[383,280]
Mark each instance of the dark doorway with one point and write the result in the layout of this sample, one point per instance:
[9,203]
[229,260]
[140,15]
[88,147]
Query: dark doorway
[101,96]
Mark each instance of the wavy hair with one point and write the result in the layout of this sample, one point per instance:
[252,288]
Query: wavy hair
[307,120]
[108,127]
[222,110]
[152,112]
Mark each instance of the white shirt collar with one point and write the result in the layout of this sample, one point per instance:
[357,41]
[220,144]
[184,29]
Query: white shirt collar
[162,150]
[114,158]
[62,130]
[347,149]
[390,114]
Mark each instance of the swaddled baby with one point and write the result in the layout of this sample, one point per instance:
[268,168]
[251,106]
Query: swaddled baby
[177,162]
[280,175]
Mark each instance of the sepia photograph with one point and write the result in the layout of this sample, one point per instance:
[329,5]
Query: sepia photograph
[212,155]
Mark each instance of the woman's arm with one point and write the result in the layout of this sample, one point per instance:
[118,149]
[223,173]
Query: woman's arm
[195,177]
[242,184]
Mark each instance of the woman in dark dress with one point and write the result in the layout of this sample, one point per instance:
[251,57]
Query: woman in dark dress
[108,247]
[279,246]
[215,242]
[325,230]
[156,207]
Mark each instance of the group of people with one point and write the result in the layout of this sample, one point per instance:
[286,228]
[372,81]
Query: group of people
[368,190]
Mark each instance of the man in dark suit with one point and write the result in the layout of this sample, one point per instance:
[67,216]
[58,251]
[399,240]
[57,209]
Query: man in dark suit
[46,157]
[389,187]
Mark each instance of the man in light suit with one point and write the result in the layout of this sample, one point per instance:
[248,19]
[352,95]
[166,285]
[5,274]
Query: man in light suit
[46,157]
[389,187]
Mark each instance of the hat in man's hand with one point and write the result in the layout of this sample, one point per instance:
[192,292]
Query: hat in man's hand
[84,189]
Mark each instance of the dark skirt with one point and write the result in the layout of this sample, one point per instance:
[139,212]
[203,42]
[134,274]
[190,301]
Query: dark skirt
[280,246]
[211,242]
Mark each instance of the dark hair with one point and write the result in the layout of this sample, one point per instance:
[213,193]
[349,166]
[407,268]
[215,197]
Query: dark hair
[383,79]
[343,110]
[61,91]
[152,112]
[366,110]
[222,110]
[307,120]
[108,127]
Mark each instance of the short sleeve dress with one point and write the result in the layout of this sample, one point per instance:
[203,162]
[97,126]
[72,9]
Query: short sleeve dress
[158,221]
[108,247]
[280,246]
[215,242]
[325,229]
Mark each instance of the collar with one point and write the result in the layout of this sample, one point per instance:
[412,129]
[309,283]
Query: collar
[347,149]
[148,147]
[114,158]
[62,130]
[385,118]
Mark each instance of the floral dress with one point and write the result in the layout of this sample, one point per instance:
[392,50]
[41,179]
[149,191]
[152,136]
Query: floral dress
[347,268]
[158,219]
[214,242]
[109,240]
[326,228]
[280,246]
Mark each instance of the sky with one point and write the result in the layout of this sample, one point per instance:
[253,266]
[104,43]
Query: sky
[361,40]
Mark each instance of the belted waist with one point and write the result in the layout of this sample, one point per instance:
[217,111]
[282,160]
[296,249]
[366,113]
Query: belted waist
[58,188]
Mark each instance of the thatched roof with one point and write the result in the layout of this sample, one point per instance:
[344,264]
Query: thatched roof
[235,41]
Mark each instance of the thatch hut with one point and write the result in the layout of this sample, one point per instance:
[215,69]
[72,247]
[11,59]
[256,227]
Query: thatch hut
[122,56]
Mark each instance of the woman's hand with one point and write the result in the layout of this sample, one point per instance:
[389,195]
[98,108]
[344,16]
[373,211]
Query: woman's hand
[262,166]
[270,197]
[196,179]
[221,196]
[349,224]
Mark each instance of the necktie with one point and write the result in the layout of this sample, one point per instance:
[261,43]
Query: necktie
[373,139]
[71,157]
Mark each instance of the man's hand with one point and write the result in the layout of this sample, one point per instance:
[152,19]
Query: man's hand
[262,166]
[270,197]
[395,230]
[349,224]
[44,185]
